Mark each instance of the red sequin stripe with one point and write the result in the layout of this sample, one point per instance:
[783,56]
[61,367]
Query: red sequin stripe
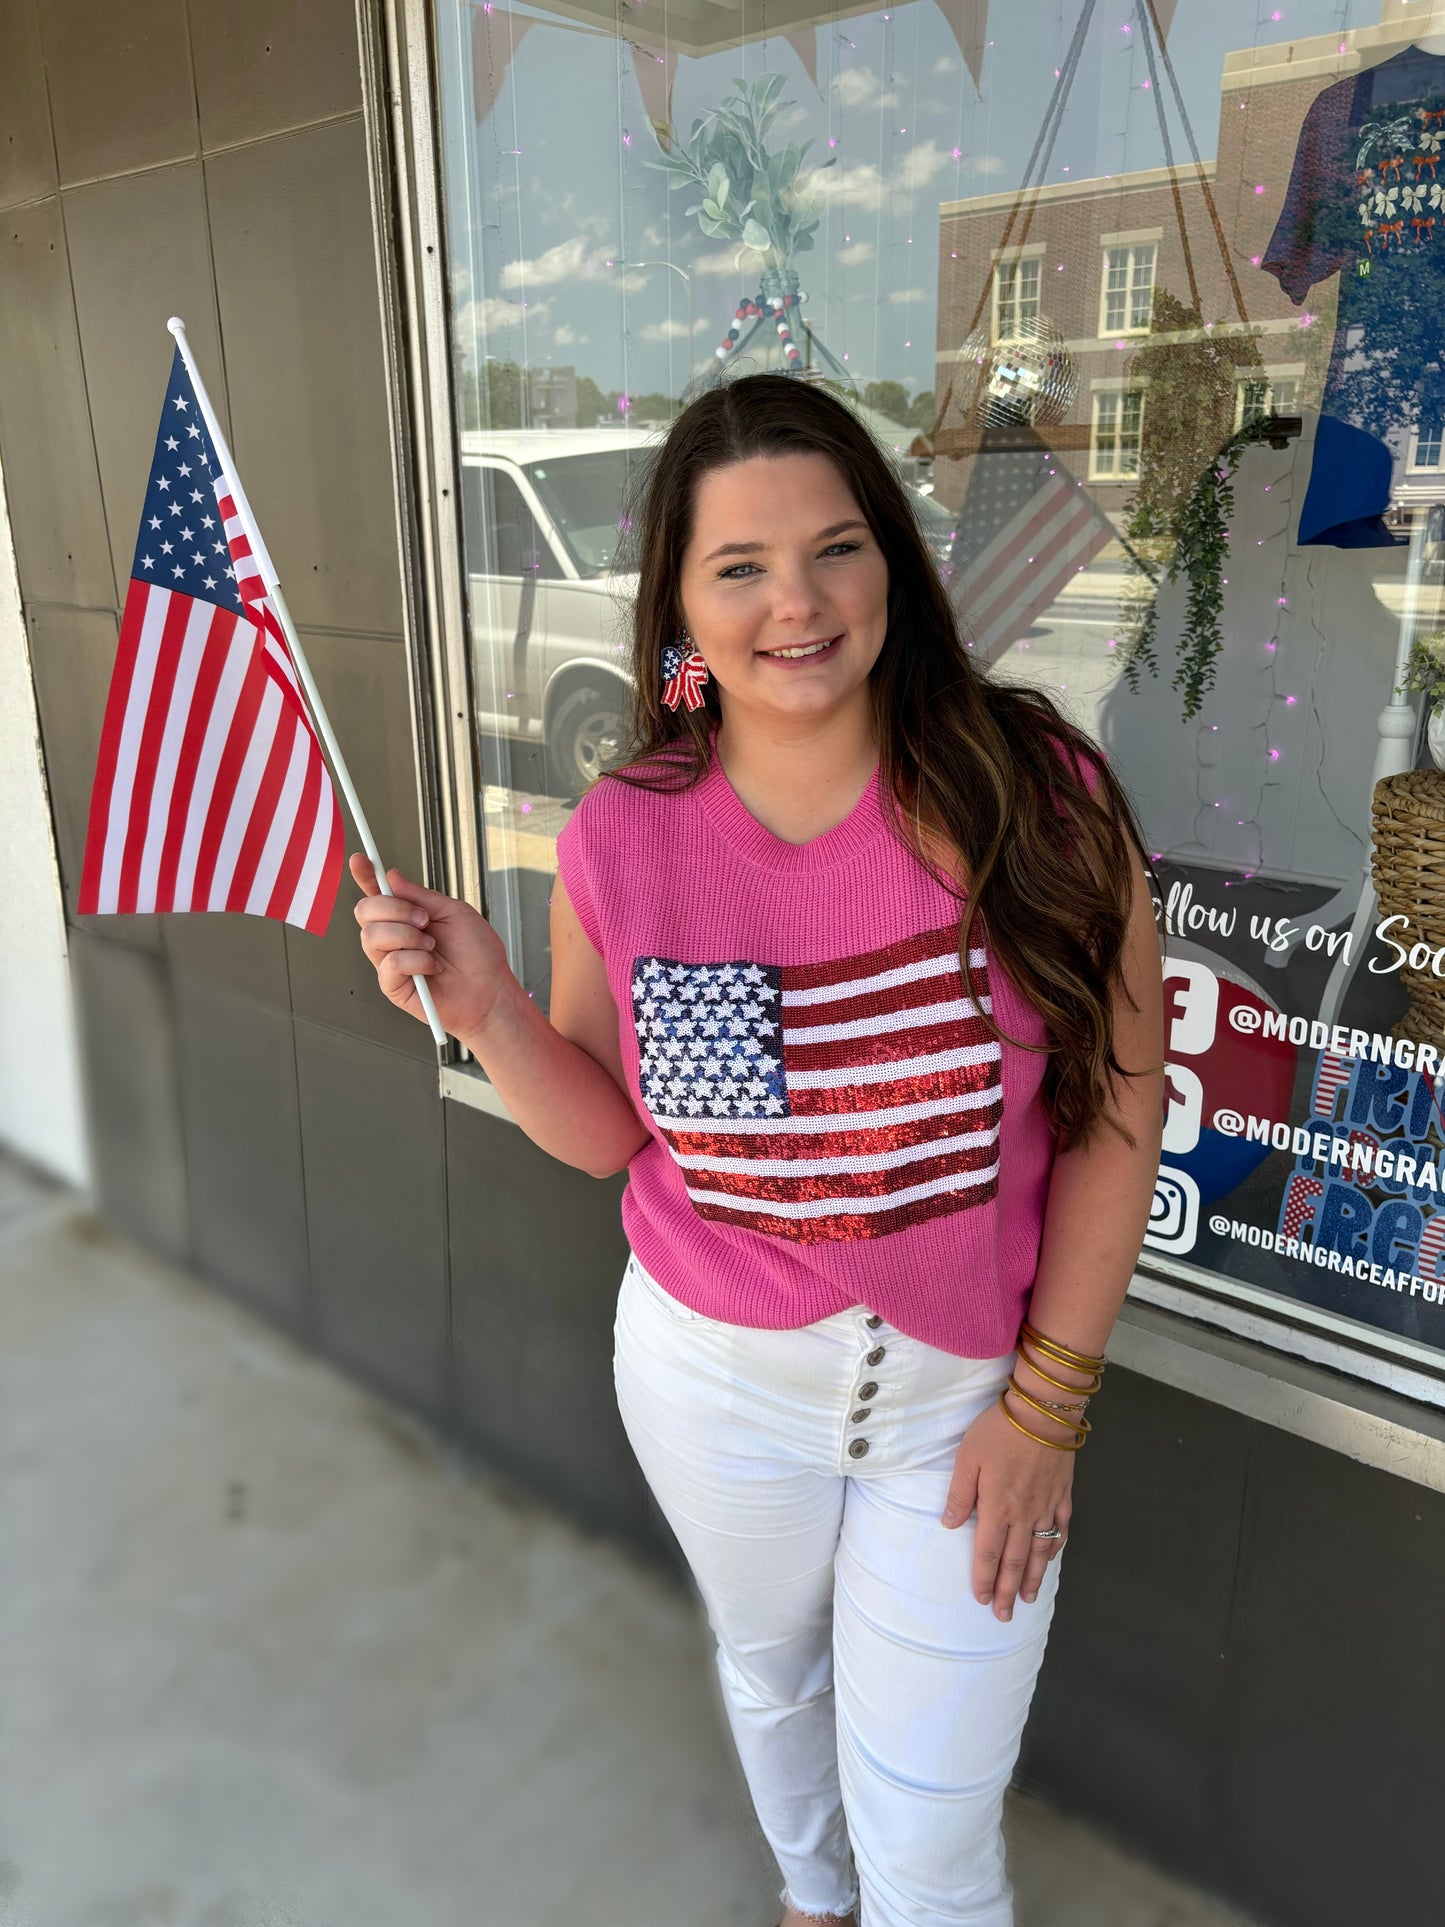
[847,1227]
[932,943]
[890,1046]
[923,1088]
[843,1186]
[835,1144]
[847,1007]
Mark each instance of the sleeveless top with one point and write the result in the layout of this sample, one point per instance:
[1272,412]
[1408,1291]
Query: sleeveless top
[832,1121]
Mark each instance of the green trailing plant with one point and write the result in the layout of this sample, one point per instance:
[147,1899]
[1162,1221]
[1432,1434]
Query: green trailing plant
[1179,516]
[750,193]
[1425,667]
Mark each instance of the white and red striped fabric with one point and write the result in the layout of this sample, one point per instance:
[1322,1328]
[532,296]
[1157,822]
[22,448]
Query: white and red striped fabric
[829,1101]
[211,791]
[1026,531]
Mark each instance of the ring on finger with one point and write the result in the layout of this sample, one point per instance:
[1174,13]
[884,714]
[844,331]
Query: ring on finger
[1048,1532]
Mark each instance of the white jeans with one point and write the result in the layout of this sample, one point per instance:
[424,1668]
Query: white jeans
[875,1704]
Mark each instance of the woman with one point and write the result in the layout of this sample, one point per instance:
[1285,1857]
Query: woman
[855,972]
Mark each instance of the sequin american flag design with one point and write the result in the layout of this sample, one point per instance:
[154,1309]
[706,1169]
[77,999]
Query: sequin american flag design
[825,1102]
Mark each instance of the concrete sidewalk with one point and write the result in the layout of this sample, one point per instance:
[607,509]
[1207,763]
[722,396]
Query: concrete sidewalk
[271,1655]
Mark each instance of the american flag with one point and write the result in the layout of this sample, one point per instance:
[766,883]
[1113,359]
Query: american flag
[211,791]
[825,1101]
[1332,1075]
[1025,530]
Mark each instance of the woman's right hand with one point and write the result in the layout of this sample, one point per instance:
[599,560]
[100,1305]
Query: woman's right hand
[417,932]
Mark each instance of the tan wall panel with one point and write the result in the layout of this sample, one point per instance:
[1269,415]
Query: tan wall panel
[27,152]
[272,65]
[364,685]
[139,254]
[296,280]
[50,473]
[121,92]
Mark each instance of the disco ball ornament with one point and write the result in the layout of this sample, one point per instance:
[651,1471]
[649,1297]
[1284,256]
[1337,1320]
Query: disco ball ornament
[1028,377]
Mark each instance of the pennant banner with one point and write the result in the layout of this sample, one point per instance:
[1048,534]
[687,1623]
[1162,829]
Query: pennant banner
[496,36]
[655,75]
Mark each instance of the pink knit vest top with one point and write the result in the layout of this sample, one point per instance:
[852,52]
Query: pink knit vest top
[833,1122]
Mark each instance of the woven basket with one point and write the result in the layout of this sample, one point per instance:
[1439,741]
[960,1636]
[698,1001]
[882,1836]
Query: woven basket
[1409,870]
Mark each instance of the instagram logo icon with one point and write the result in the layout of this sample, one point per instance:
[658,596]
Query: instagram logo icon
[1174,1214]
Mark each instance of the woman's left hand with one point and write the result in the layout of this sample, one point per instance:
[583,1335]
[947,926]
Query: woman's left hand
[1016,1486]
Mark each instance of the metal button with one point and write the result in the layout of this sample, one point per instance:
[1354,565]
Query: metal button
[877,1355]
[858,1448]
[873,1323]
[868,1390]
[861,1413]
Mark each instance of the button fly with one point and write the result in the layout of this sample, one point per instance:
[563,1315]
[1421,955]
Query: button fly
[868,1390]
[858,1449]
[873,1323]
[877,1355]
[861,1413]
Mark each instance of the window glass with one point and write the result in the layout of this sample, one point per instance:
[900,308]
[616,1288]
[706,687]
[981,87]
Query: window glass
[1148,307]
[1018,298]
[1128,289]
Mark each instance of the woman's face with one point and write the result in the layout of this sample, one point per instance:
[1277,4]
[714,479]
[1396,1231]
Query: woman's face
[784,588]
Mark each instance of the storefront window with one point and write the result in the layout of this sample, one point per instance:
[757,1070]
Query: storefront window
[1147,305]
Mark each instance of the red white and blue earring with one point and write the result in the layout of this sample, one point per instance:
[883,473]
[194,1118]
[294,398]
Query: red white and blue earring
[683,673]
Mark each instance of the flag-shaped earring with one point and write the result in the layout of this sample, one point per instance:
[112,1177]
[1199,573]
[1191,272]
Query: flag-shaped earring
[683,673]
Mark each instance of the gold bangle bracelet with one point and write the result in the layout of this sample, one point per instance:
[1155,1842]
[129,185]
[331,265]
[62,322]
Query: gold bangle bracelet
[1080,1425]
[1050,1443]
[1049,1379]
[1062,1354]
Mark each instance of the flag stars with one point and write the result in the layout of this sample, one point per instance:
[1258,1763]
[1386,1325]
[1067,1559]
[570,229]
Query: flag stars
[184,469]
[147,561]
[162,482]
[199,560]
[196,495]
[188,535]
[166,547]
[172,444]
[154,522]
[193,429]
[173,508]
[179,401]
[208,521]
[210,582]
[178,570]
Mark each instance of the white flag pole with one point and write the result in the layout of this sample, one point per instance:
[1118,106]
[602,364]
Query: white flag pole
[298,654]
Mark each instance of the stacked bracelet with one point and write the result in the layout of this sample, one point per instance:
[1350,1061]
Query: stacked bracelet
[1031,1340]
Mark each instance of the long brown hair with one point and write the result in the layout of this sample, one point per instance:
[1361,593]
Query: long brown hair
[1046,834]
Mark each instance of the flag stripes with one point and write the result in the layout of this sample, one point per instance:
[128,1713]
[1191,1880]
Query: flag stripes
[1022,572]
[211,793]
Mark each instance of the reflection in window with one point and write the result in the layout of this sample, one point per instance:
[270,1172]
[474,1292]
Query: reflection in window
[1428,438]
[583,490]
[1016,304]
[1118,421]
[1262,395]
[1128,289]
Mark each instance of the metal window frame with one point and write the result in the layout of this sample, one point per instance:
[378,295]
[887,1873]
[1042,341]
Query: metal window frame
[402,123]
[1287,1365]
